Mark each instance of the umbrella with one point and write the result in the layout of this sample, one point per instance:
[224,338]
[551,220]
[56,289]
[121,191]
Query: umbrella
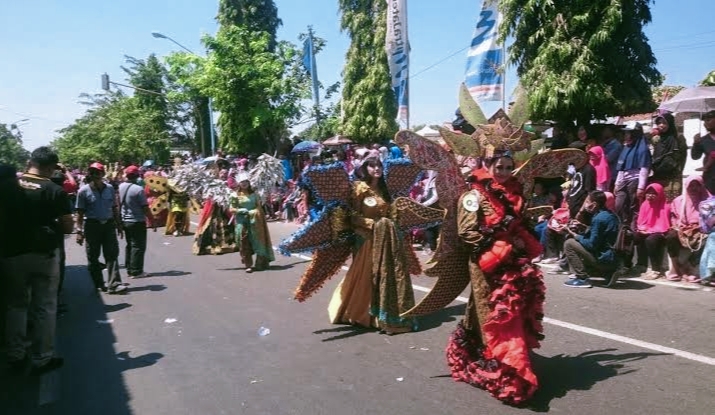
[699,99]
[305,147]
[337,141]
[148,163]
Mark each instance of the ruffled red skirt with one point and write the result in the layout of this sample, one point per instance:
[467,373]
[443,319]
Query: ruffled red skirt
[500,363]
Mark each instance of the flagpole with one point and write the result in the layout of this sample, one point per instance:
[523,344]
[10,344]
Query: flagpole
[503,77]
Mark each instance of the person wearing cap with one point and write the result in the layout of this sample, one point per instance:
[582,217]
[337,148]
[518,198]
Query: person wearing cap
[706,145]
[99,224]
[135,213]
[38,211]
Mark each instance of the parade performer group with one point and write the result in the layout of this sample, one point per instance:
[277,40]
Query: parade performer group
[485,239]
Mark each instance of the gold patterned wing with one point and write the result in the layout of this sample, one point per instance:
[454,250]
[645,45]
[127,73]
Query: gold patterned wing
[159,204]
[157,184]
[400,176]
[452,272]
[329,184]
[326,263]
[412,215]
[331,226]
[550,164]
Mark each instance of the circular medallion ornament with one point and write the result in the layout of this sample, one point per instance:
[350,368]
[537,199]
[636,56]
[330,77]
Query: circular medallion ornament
[370,201]
[470,201]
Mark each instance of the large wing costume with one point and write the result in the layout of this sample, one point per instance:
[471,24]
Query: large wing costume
[450,262]
[331,237]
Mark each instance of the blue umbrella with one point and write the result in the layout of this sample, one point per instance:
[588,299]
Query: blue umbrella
[148,163]
[305,147]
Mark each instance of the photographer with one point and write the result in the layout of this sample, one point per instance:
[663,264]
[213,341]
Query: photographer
[593,251]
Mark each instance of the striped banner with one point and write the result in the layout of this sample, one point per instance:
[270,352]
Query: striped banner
[398,50]
[484,75]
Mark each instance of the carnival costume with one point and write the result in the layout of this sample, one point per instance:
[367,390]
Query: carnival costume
[485,240]
[372,226]
[252,235]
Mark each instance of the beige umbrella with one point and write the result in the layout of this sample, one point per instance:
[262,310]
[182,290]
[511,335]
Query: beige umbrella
[337,141]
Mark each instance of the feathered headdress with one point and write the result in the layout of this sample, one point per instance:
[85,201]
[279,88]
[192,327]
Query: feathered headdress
[201,184]
[264,175]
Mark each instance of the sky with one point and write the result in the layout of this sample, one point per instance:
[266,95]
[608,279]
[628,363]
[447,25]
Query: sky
[54,50]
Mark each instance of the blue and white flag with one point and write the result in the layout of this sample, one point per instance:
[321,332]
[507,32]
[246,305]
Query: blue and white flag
[398,50]
[310,66]
[485,59]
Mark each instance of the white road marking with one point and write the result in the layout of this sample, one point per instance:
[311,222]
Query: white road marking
[587,330]
[594,332]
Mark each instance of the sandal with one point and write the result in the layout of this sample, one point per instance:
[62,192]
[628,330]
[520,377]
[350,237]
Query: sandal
[692,278]
[249,270]
[671,276]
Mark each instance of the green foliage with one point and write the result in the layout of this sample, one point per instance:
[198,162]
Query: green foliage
[258,92]
[664,92]
[328,126]
[191,107]
[709,79]
[582,59]
[115,128]
[253,15]
[369,103]
[11,150]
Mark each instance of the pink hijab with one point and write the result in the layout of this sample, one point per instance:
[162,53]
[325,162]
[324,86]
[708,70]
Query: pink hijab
[685,206]
[599,162]
[654,217]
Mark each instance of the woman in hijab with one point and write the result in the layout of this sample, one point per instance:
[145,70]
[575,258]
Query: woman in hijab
[598,160]
[686,228]
[633,168]
[653,224]
[669,155]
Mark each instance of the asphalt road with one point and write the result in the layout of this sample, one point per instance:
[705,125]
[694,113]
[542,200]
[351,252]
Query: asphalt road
[185,341]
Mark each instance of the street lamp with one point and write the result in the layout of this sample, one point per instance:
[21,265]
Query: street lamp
[159,35]
[13,125]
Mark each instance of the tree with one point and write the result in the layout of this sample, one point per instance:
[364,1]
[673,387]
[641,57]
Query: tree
[253,15]
[328,126]
[519,110]
[583,59]
[369,103]
[664,92]
[11,150]
[114,128]
[709,79]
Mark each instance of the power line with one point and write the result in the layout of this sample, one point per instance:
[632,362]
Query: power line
[438,62]
[30,116]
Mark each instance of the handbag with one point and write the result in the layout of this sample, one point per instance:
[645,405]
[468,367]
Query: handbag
[691,237]
[625,240]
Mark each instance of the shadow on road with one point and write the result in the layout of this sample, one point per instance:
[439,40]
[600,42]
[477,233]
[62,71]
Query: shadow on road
[111,308]
[627,284]
[270,268]
[91,381]
[561,373]
[154,287]
[346,332]
[445,315]
[172,273]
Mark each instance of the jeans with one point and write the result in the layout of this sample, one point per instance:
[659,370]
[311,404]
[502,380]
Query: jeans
[582,261]
[135,235]
[32,281]
[102,238]
[707,261]
[540,230]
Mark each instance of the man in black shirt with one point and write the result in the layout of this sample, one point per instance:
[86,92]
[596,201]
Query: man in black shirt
[706,145]
[31,264]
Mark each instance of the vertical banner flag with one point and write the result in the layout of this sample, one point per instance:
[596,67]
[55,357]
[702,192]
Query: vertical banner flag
[484,75]
[310,66]
[398,49]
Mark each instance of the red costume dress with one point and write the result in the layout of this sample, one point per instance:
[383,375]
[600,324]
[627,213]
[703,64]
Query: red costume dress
[490,348]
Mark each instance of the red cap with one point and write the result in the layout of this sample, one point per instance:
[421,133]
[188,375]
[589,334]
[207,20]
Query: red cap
[97,166]
[132,170]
